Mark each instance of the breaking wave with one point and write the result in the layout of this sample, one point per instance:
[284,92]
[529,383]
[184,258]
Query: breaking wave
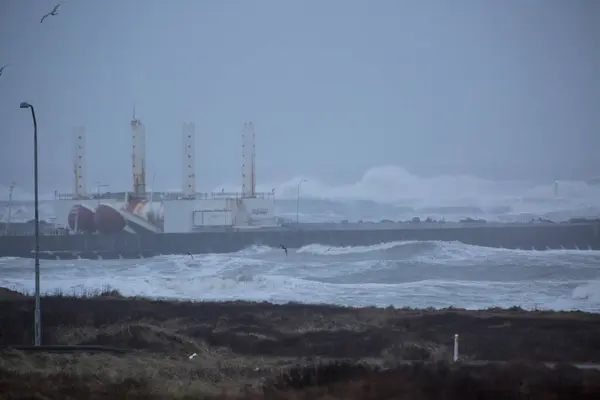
[414,274]
[392,184]
[390,192]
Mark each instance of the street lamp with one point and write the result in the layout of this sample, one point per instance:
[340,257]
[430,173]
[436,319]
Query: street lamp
[37,314]
[10,196]
[298,202]
[101,186]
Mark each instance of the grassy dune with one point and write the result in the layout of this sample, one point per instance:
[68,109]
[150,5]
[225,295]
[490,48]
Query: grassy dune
[293,351]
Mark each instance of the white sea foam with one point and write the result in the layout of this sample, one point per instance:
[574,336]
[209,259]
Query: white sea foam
[589,291]
[415,274]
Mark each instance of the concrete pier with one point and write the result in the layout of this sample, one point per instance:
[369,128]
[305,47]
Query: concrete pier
[584,235]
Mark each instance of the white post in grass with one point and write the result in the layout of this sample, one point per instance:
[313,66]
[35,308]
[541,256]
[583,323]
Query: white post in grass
[455,355]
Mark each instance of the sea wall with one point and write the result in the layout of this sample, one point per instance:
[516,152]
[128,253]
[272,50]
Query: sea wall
[581,236]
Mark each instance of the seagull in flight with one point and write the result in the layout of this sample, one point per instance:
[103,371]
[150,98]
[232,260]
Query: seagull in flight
[2,69]
[53,12]
[284,248]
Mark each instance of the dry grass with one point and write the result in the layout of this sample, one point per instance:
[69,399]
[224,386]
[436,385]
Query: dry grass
[261,350]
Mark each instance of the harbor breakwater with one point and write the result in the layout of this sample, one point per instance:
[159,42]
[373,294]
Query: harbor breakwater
[531,236]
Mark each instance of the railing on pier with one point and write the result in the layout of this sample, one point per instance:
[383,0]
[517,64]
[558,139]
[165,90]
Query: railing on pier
[101,196]
[158,196]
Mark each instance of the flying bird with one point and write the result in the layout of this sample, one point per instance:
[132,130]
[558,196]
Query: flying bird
[53,12]
[284,248]
[2,69]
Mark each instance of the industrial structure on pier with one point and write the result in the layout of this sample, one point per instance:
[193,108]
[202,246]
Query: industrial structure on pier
[145,223]
[143,211]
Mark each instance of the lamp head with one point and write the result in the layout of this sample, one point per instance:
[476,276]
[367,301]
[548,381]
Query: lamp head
[24,104]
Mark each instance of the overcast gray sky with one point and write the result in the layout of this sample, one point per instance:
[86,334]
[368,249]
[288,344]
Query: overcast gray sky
[500,89]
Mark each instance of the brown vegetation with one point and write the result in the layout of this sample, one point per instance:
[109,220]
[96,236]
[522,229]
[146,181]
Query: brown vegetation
[292,351]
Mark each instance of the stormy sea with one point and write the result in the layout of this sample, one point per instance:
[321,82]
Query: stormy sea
[401,274]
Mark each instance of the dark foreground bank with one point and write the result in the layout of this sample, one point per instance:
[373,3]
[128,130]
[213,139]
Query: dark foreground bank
[293,351]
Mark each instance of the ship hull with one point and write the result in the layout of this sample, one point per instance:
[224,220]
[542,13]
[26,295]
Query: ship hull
[82,218]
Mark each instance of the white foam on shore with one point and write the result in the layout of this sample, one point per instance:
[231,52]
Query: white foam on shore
[402,274]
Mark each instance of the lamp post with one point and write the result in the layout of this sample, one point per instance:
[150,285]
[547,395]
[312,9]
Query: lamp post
[37,314]
[100,186]
[298,202]
[10,196]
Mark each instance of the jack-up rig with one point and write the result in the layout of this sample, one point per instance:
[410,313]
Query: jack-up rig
[142,211]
